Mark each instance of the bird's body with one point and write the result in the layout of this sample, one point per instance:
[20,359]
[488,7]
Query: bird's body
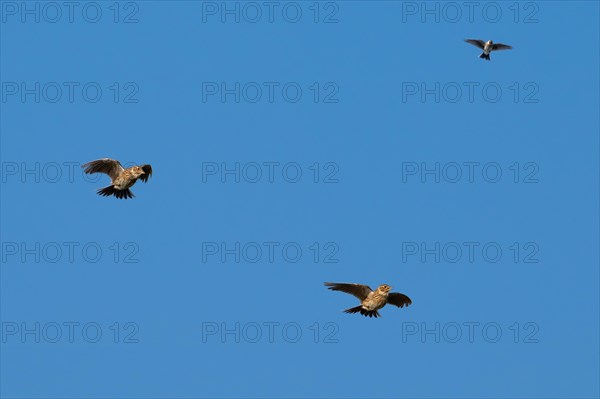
[375,300]
[370,301]
[487,47]
[121,179]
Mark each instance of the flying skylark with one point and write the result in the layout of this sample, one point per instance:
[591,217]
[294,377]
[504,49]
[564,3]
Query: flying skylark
[121,178]
[488,47]
[370,301]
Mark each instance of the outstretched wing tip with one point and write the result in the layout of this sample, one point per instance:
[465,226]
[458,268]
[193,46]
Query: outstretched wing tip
[358,290]
[476,42]
[147,168]
[399,300]
[108,166]
[502,46]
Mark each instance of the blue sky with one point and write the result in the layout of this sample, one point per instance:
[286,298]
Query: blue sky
[481,205]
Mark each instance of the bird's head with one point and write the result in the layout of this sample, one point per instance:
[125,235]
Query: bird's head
[490,42]
[137,171]
[384,288]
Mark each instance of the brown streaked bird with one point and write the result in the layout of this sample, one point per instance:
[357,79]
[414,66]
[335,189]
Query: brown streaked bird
[121,178]
[370,301]
[488,47]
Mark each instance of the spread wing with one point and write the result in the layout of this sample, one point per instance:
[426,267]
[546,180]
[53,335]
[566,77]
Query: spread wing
[147,173]
[500,46]
[477,43]
[109,166]
[358,290]
[400,300]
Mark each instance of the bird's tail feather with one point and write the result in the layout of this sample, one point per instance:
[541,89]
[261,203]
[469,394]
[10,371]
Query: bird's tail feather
[354,310]
[111,190]
[485,56]
[357,309]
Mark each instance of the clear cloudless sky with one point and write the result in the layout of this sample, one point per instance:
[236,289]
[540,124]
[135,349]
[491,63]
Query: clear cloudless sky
[368,131]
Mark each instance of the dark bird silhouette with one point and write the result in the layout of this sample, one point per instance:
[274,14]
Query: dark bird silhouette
[370,301]
[121,178]
[488,47]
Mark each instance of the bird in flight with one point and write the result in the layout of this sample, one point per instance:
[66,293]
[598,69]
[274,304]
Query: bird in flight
[370,301]
[488,47]
[121,178]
